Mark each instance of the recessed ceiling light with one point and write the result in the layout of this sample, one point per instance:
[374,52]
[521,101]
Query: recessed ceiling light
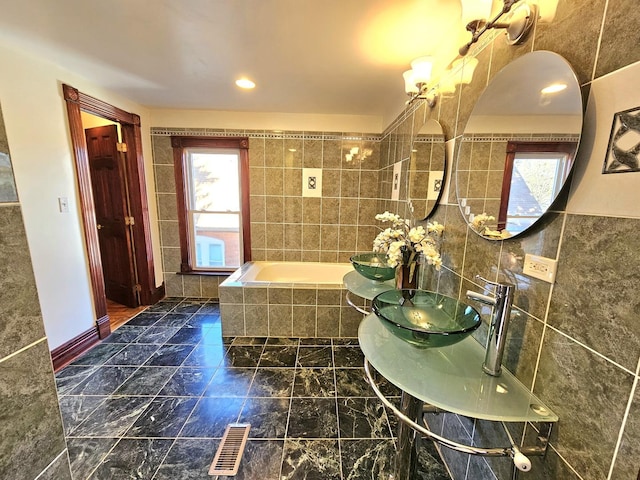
[245,83]
[554,88]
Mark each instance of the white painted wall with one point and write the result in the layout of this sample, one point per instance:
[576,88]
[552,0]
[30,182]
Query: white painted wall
[266,121]
[37,130]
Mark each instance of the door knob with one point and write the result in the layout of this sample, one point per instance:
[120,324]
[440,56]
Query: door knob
[99,227]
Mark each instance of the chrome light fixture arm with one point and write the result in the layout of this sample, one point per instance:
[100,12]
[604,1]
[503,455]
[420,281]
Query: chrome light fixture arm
[518,27]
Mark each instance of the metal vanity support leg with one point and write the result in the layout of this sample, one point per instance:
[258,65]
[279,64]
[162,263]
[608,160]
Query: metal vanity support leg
[408,439]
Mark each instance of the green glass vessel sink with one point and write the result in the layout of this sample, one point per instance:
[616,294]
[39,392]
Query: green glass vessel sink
[425,319]
[373,266]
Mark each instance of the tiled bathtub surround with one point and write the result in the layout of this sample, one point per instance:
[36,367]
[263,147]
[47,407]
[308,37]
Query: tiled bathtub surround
[281,310]
[575,343]
[284,225]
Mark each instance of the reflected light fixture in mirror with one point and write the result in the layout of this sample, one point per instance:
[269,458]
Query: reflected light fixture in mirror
[427,167]
[519,144]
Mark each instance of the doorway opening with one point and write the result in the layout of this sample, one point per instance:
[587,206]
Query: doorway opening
[107,145]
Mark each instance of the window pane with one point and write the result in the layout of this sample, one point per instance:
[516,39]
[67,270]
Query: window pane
[217,240]
[216,185]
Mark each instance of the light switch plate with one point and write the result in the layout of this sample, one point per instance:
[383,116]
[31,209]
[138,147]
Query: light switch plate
[63,204]
[541,268]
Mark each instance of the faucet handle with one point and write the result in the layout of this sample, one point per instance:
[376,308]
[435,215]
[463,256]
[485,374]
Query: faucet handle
[494,284]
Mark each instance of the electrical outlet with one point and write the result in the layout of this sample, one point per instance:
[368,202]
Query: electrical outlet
[540,267]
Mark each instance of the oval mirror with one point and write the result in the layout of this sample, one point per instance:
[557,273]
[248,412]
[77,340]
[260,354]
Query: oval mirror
[427,166]
[519,145]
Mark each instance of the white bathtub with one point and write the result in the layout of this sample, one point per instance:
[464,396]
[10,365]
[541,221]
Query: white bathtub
[293,272]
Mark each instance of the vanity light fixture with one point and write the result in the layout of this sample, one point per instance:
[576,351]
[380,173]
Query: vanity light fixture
[416,81]
[517,24]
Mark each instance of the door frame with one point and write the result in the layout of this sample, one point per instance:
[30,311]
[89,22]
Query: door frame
[134,170]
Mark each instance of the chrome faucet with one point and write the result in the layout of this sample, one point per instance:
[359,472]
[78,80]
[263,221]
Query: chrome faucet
[501,301]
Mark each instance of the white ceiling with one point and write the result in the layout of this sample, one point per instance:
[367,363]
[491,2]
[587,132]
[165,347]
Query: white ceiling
[306,56]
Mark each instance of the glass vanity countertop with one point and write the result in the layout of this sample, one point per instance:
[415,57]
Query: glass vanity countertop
[365,288]
[450,378]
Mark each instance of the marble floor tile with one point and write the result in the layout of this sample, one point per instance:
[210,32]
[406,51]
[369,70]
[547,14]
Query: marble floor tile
[169,355]
[347,341]
[243,356]
[186,307]
[206,356]
[104,380]
[350,382]
[249,341]
[132,458]
[76,408]
[99,354]
[314,382]
[292,342]
[362,418]
[164,305]
[310,420]
[314,341]
[315,356]
[124,334]
[347,357]
[203,320]
[272,382]
[279,356]
[311,460]
[69,377]
[230,382]
[134,354]
[157,335]
[145,319]
[113,417]
[313,418]
[187,336]
[367,459]
[188,459]
[267,416]
[213,335]
[188,382]
[211,416]
[210,308]
[164,417]
[261,460]
[146,381]
[173,320]
[85,454]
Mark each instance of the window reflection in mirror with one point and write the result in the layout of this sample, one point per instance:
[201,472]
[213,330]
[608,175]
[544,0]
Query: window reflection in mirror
[533,177]
[519,145]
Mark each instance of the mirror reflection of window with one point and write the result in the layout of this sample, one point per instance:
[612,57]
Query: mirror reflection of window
[533,177]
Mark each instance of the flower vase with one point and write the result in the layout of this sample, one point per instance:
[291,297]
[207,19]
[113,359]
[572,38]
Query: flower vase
[405,278]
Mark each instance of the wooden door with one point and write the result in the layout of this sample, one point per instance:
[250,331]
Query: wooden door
[108,182]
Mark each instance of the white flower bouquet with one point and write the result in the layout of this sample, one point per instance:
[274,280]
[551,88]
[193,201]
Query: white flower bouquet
[403,243]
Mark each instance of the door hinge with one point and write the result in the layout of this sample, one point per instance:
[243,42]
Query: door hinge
[129,221]
[122,147]
[137,288]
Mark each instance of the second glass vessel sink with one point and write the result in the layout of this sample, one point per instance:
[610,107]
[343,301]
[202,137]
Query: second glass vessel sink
[425,319]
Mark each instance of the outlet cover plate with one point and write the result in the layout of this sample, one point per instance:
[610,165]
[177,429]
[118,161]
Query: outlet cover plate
[541,268]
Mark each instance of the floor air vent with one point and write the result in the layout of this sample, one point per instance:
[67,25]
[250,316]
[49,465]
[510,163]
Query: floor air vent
[229,454]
